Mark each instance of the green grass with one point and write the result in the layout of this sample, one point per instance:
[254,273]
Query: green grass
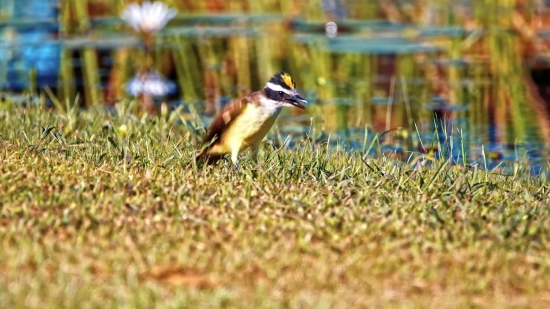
[101,217]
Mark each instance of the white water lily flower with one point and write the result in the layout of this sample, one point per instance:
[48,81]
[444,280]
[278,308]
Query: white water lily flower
[150,83]
[149,17]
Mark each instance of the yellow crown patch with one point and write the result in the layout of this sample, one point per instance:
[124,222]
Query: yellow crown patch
[288,80]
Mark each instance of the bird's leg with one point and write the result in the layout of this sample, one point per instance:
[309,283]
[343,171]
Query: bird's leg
[254,153]
[235,158]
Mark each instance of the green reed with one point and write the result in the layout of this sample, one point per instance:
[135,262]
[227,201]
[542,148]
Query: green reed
[223,64]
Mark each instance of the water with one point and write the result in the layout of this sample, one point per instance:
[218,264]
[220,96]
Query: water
[29,46]
[371,76]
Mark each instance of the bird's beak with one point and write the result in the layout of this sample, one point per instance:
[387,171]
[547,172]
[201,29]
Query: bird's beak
[297,101]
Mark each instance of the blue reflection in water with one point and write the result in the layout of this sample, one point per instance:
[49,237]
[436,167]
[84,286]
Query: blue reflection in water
[26,47]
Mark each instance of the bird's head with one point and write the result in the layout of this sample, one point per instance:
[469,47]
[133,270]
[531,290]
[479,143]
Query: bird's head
[281,89]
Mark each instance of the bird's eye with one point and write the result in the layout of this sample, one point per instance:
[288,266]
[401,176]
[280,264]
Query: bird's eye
[281,93]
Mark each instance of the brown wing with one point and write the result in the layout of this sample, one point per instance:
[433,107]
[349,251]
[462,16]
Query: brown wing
[222,122]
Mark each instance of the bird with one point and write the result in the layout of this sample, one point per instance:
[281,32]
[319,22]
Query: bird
[244,122]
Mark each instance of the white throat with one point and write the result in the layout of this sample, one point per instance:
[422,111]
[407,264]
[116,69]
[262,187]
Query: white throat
[270,107]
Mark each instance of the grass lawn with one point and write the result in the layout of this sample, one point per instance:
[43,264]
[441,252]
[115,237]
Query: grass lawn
[100,211]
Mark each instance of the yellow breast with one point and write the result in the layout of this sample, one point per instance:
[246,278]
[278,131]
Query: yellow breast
[247,130]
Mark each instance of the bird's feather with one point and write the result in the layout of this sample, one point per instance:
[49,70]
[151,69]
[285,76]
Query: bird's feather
[223,122]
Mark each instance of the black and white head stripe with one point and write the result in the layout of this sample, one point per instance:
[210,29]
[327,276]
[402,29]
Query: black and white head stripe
[276,87]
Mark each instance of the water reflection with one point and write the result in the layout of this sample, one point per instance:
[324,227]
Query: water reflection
[436,88]
[29,46]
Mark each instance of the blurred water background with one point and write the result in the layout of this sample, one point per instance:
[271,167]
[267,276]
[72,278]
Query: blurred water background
[434,77]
